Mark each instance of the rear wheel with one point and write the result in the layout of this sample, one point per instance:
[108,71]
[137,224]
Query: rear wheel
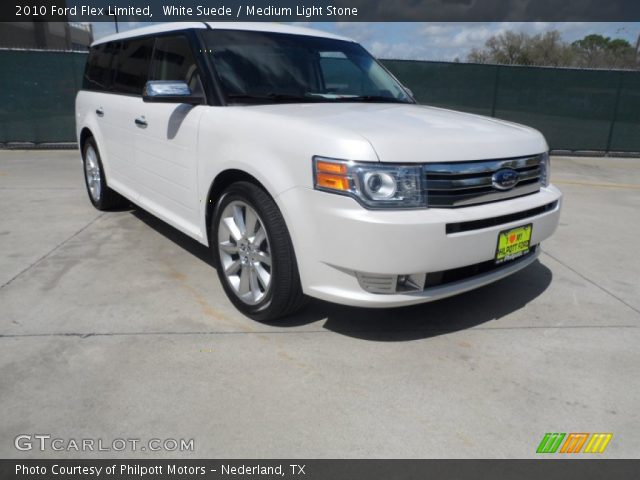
[254,255]
[101,196]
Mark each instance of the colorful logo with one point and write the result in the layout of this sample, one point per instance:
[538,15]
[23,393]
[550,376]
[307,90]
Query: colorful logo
[574,442]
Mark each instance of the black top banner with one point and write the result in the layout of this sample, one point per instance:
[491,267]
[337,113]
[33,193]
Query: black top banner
[322,10]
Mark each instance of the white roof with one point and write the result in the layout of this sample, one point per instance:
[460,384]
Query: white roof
[253,26]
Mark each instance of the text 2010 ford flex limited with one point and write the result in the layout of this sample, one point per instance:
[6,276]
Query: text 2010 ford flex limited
[307,168]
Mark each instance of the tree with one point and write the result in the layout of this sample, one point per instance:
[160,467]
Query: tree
[522,49]
[479,56]
[509,47]
[548,49]
[597,51]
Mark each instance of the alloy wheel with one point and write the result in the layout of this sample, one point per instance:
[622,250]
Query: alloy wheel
[245,253]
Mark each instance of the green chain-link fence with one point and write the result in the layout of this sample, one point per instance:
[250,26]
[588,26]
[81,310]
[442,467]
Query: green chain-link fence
[37,95]
[575,109]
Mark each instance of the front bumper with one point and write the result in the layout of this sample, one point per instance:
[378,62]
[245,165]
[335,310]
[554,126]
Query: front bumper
[334,237]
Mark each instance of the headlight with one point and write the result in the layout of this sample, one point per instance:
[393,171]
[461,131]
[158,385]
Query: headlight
[379,185]
[375,185]
[545,169]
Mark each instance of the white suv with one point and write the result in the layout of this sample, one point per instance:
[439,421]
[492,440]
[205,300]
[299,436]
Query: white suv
[307,167]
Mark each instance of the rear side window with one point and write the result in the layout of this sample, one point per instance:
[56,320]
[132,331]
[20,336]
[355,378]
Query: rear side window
[132,65]
[97,74]
[173,59]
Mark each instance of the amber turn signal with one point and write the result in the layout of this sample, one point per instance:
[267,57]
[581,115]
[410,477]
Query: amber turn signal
[331,167]
[332,176]
[334,182]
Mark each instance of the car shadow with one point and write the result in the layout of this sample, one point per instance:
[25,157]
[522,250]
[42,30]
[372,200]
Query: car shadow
[448,315]
[176,236]
[452,314]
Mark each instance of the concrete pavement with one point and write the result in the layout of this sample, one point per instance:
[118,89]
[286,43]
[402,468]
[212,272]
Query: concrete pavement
[115,326]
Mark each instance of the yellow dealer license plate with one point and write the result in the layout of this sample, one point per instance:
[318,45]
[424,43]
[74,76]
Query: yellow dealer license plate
[513,243]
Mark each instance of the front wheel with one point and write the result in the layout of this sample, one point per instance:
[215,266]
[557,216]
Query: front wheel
[253,254]
[101,196]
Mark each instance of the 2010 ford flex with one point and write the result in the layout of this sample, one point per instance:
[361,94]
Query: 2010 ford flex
[307,168]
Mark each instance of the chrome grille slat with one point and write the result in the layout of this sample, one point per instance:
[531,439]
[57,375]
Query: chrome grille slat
[483,166]
[475,183]
[458,184]
[476,199]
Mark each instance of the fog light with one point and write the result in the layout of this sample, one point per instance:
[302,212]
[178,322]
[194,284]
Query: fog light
[411,283]
[375,283]
[378,283]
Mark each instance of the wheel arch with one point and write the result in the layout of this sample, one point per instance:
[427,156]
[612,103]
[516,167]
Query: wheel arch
[85,134]
[219,184]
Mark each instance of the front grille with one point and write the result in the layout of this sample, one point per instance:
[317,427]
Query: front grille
[457,184]
[495,221]
[437,279]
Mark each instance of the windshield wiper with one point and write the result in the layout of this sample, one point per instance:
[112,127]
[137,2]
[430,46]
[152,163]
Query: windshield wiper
[372,99]
[283,97]
[287,97]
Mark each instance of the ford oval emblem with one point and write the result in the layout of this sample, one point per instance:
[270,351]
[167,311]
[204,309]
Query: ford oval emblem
[505,179]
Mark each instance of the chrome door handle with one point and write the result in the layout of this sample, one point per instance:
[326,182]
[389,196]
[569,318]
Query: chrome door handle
[141,122]
[100,112]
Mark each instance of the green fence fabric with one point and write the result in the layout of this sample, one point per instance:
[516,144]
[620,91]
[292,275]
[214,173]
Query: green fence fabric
[625,134]
[460,86]
[37,95]
[574,109]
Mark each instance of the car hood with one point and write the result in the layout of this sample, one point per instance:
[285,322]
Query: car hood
[415,133]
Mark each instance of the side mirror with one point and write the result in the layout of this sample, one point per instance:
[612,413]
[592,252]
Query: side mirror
[169,91]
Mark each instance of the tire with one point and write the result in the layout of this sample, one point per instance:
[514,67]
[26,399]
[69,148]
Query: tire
[101,196]
[256,266]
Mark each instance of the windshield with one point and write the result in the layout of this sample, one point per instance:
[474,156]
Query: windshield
[267,67]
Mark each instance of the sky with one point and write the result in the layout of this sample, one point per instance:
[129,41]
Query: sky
[439,41]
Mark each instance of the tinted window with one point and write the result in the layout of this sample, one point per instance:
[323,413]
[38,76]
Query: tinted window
[132,65]
[97,74]
[343,76]
[174,60]
[274,67]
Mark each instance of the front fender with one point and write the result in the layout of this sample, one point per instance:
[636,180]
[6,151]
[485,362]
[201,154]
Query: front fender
[274,149]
